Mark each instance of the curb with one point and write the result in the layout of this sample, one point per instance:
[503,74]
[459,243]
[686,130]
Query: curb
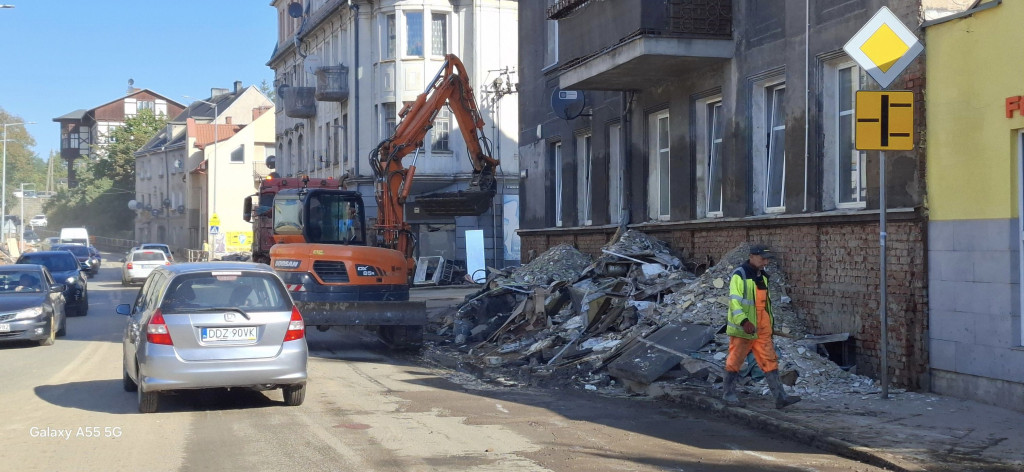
[792,431]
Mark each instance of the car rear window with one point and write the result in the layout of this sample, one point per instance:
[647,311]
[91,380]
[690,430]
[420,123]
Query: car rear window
[78,251]
[54,262]
[249,291]
[148,256]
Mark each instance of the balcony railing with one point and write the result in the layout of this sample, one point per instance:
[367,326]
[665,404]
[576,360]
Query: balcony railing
[299,102]
[332,83]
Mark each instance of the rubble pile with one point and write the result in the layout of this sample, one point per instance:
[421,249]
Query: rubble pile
[636,314]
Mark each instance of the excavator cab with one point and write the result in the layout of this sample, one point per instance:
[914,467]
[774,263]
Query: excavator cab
[319,216]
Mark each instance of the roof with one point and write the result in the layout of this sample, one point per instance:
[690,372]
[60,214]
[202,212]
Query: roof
[73,116]
[204,133]
[202,110]
[200,169]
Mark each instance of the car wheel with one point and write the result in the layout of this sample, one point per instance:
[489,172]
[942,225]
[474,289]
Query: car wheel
[124,283]
[294,394]
[63,331]
[83,309]
[126,381]
[52,336]
[148,401]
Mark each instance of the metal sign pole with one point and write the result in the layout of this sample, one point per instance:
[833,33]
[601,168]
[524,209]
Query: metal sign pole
[884,344]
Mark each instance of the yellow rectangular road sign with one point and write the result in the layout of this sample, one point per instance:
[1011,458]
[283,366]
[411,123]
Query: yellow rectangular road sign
[885,120]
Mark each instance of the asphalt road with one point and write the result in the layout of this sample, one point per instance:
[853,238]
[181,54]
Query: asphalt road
[366,409]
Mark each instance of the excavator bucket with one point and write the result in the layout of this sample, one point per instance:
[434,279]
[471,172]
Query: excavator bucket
[461,203]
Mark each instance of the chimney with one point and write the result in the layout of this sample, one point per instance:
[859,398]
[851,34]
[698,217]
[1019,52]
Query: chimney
[227,120]
[238,87]
[258,112]
[217,92]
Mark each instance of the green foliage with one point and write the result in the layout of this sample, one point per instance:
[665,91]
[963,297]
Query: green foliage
[267,90]
[23,166]
[105,185]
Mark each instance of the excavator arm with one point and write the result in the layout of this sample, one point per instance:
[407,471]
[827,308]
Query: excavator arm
[394,180]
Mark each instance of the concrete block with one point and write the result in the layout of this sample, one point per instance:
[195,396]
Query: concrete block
[993,392]
[996,331]
[993,266]
[985,235]
[986,361]
[943,354]
[942,295]
[941,235]
[953,266]
[952,326]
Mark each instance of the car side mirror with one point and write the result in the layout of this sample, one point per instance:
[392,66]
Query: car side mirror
[123,309]
[86,265]
[123,259]
[56,288]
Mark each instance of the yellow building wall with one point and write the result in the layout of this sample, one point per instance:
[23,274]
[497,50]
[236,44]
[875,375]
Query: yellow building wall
[973,64]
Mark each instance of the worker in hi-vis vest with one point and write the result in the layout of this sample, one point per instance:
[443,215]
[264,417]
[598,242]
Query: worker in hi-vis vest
[750,326]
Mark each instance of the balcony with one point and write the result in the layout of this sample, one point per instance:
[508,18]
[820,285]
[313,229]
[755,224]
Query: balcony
[332,84]
[631,45]
[299,102]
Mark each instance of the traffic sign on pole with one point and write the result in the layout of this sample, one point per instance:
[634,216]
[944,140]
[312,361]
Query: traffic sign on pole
[884,47]
[885,121]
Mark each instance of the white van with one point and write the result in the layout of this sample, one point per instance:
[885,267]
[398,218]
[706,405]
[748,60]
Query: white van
[74,236]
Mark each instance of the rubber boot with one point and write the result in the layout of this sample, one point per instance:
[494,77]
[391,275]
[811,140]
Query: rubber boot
[729,396]
[781,399]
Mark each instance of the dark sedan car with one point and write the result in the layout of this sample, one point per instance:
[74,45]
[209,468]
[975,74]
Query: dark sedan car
[31,304]
[89,261]
[66,270]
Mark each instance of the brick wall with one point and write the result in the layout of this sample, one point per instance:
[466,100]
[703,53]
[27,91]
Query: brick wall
[832,271]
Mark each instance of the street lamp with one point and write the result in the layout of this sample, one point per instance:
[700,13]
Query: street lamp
[211,180]
[3,187]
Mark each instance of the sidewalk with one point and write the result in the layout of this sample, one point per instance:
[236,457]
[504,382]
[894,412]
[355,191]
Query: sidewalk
[908,431]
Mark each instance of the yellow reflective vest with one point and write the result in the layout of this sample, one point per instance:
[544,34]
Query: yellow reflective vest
[742,302]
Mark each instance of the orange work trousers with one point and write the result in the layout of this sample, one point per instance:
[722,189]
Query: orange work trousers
[763,348]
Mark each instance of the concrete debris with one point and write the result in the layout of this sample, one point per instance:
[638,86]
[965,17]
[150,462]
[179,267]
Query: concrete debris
[639,313]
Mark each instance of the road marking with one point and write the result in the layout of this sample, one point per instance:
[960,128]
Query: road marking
[501,408]
[752,453]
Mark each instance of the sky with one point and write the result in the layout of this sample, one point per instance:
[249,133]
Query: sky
[58,56]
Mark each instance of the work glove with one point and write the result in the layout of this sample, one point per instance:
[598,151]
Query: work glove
[748,327]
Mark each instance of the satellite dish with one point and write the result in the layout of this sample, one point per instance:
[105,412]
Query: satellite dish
[568,104]
[177,163]
[271,162]
[295,10]
[312,63]
[132,204]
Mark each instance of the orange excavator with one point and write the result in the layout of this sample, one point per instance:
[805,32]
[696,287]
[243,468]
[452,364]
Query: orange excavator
[337,276]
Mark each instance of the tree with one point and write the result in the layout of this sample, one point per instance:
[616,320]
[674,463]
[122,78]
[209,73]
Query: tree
[107,184]
[267,90]
[23,166]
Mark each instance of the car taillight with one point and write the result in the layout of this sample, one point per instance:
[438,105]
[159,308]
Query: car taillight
[128,266]
[156,330]
[167,263]
[296,327]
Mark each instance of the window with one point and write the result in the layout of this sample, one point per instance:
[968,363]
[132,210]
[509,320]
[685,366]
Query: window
[551,53]
[844,184]
[556,152]
[337,142]
[712,153]
[776,119]
[145,105]
[615,174]
[388,49]
[238,155]
[438,34]
[301,155]
[659,151]
[442,130]
[414,34]
[387,120]
[344,146]
[584,174]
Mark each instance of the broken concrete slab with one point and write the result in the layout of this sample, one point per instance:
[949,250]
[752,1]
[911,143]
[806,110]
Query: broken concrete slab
[662,350]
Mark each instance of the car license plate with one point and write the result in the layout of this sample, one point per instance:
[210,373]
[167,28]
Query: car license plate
[233,334]
[5,328]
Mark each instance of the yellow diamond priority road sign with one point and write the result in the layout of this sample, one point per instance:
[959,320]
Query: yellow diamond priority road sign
[884,47]
[885,121]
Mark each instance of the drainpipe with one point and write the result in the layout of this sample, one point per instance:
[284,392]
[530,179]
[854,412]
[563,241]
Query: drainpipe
[354,10]
[807,92]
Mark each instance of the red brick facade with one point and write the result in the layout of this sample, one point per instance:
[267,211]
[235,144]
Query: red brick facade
[832,267]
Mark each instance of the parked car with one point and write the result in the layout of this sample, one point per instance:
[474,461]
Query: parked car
[65,269]
[38,220]
[48,243]
[89,264]
[31,304]
[163,247]
[213,325]
[139,263]
[31,238]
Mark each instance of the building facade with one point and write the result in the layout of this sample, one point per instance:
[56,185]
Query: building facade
[345,69]
[975,169]
[193,176]
[84,133]
[709,123]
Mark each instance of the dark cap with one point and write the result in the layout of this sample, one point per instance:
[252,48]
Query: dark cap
[761,250]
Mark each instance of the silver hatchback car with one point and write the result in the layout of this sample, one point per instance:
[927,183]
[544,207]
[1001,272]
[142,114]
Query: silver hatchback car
[212,325]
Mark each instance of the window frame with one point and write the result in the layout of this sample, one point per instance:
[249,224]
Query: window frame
[441,131]
[585,177]
[615,174]
[444,34]
[551,51]
[704,148]
[771,101]
[860,187]
[557,160]
[389,37]
[656,156]
[409,36]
